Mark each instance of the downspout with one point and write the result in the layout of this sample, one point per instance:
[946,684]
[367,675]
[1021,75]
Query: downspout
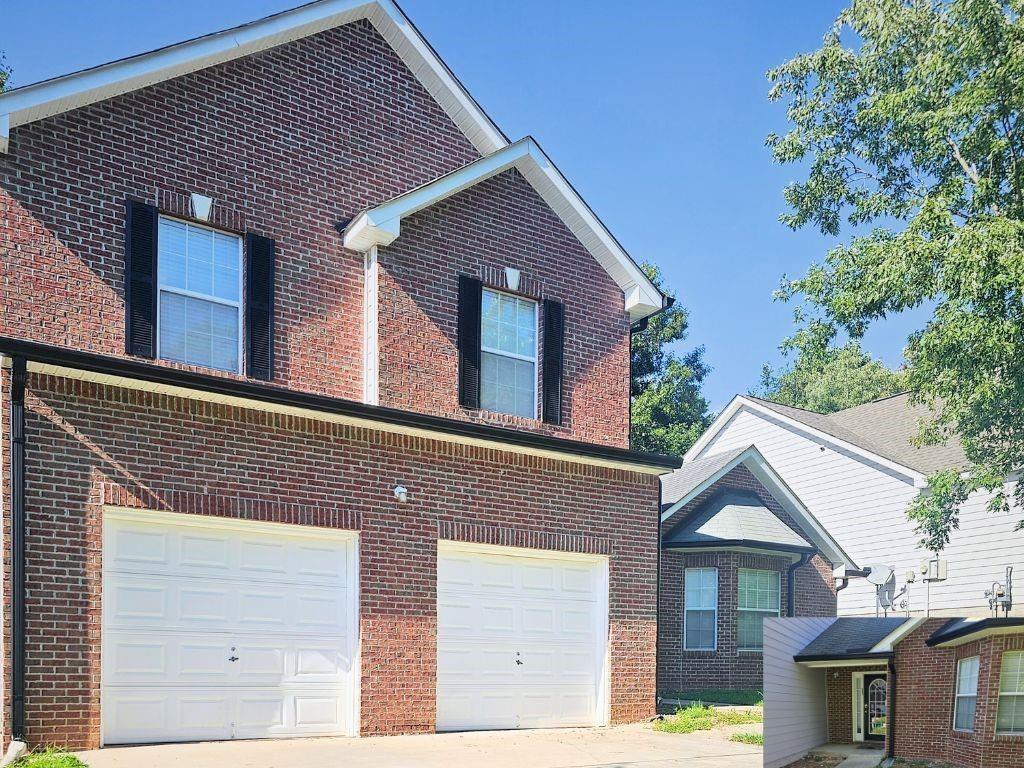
[657,610]
[18,382]
[890,751]
[805,558]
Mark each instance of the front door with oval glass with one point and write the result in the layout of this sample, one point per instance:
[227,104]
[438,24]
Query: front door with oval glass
[876,706]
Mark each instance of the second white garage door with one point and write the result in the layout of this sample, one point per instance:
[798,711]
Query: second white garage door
[522,638]
[221,629]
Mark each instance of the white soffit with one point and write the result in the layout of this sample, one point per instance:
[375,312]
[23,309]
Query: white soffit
[61,94]
[382,224]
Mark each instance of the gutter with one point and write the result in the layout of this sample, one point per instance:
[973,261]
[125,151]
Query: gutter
[19,377]
[641,325]
[852,574]
[370,416]
[890,747]
[805,558]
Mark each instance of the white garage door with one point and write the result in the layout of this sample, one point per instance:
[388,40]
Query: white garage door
[521,638]
[217,629]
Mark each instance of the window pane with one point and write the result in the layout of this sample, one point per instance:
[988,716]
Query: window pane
[508,385]
[701,588]
[963,720]
[199,276]
[758,590]
[172,326]
[1011,714]
[700,630]
[750,629]
[198,332]
[1011,679]
[171,241]
[967,675]
[225,267]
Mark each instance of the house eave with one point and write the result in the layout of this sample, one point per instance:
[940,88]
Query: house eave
[844,660]
[977,630]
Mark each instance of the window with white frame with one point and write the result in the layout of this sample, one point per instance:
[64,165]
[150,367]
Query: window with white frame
[199,314]
[966,694]
[758,597]
[1010,715]
[700,617]
[508,354]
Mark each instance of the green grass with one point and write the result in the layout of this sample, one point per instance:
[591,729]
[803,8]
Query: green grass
[49,758]
[702,718]
[718,696]
[748,738]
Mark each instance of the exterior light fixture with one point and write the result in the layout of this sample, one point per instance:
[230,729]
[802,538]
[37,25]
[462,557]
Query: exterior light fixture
[401,493]
[512,278]
[201,206]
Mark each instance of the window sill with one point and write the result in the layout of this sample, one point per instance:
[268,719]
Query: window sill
[750,650]
[1014,736]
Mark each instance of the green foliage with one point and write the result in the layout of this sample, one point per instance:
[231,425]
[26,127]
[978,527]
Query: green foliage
[830,379]
[719,696]
[49,758]
[908,119]
[748,738]
[5,71]
[698,717]
[668,410]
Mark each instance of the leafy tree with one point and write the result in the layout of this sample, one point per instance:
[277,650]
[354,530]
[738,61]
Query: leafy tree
[830,379]
[5,71]
[908,120]
[669,412]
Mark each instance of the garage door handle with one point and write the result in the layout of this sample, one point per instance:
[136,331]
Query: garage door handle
[233,658]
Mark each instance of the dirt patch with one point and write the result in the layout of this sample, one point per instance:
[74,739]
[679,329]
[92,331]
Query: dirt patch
[818,761]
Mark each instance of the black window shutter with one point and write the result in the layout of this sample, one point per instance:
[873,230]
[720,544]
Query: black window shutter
[259,307]
[140,278]
[470,298]
[554,346]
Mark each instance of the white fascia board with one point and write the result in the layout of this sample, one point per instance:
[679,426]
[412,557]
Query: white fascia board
[381,225]
[238,401]
[60,94]
[887,643]
[844,663]
[916,478]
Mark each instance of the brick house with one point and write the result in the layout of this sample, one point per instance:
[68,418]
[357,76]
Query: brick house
[315,403]
[737,546]
[949,690]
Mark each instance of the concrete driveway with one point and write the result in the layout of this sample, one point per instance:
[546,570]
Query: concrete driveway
[630,746]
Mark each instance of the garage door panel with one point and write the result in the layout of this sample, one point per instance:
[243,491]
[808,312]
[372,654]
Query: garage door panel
[519,640]
[216,631]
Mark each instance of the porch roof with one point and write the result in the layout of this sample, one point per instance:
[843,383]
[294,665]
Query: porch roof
[851,638]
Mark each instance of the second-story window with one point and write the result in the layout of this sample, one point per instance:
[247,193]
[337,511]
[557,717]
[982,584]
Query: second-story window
[508,354]
[199,307]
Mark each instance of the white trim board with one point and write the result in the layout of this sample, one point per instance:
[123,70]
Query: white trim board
[912,476]
[61,94]
[765,474]
[382,224]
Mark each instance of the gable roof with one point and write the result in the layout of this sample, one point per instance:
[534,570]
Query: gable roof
[735,518]
[382,224]
[694,477]
[29,103]
[881,431]
[852,637]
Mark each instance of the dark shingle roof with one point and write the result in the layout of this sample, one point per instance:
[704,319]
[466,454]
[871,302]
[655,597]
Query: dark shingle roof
[850,637]
[679,483]
[736,518]
[884,427]
[958,629]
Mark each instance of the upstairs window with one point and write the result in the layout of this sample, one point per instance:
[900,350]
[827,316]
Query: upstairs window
[508,359]
[700,617]
[966,694]
[1010,717]
[758,597]
[199,277]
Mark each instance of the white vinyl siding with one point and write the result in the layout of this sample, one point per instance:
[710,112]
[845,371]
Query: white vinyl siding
[758,599]
[966,694]
[863,506]
[1010,718]
[700,618]
[199,311]
[508,354]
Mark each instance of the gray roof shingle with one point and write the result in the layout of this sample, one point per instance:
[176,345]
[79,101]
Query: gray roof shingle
[850,636]
[733,518]
[678,484]
[884,427]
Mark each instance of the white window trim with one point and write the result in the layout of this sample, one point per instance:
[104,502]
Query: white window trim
[160,287]
[1002,695]
[957,695]
[766,611]
[536,346]
[714,645]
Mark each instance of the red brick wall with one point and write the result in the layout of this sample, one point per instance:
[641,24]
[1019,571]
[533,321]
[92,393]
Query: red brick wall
[89,445]
[925,687]
[727,667]
[419,299]
[289,142]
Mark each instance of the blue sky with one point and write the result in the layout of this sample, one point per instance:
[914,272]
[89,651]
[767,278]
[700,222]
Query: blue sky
[658,118]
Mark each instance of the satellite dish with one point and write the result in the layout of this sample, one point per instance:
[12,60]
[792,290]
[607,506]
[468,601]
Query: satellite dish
[881,575]
[887,593]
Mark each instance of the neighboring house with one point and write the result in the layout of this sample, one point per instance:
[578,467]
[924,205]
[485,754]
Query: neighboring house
[949,690]
[316,403]
[736,547]
[857,470]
